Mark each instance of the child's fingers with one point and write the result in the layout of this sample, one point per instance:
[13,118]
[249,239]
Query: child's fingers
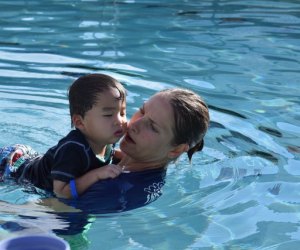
[116,167]
[115,170]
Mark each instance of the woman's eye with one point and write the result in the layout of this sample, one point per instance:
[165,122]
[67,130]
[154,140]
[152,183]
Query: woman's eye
[153,128]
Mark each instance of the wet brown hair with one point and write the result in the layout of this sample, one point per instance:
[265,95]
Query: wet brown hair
[84,91]
[191,118]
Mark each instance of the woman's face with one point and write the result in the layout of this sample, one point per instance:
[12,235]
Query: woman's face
[150,131]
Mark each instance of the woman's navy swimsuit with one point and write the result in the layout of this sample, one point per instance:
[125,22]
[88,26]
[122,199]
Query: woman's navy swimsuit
[126,192]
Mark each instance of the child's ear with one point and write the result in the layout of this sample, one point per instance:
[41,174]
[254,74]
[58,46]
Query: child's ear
[77,121]
[178,150]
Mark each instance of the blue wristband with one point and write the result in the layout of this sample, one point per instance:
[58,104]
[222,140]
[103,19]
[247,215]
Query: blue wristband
[73,189]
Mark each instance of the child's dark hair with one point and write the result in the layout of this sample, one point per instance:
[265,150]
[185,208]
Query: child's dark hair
[83,93]
[191,118]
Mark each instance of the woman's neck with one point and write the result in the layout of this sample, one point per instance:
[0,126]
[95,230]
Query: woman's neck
[133,165]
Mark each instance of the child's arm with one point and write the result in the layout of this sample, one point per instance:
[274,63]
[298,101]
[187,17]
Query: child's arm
[82,183]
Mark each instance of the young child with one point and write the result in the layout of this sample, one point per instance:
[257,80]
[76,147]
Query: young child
[98,113]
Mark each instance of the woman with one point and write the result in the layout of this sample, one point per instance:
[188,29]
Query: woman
[170,123]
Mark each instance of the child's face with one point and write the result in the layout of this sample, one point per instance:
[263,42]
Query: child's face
[106,122]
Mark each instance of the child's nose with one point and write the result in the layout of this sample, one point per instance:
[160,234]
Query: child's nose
[120,120]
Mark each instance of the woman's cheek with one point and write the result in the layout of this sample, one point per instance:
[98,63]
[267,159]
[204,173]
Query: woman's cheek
[151,138]
[145,137]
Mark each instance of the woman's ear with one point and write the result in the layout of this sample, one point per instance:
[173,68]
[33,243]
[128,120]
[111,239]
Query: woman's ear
[178,150]
[77,121]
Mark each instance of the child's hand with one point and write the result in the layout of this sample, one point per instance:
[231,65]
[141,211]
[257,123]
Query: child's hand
[108,171]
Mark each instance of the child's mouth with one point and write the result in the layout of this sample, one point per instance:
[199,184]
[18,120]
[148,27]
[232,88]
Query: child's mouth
[119,133]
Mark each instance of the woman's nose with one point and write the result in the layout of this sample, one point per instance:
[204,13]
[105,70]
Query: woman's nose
[134,126]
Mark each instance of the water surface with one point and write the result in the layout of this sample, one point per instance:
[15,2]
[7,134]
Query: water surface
[241,192]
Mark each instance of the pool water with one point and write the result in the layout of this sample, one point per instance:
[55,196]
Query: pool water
[242,190]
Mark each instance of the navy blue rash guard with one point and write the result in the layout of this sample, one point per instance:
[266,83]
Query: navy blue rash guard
[70,158]
[126,192]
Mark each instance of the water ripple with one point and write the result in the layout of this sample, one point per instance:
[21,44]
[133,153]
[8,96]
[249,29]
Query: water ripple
[241,190]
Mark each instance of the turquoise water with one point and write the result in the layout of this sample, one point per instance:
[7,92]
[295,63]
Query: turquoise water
[242,191]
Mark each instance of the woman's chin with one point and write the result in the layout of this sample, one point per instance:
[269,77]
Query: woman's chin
[128,148]
[124,145]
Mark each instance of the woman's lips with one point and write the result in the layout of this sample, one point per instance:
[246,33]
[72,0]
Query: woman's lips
[129,139]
